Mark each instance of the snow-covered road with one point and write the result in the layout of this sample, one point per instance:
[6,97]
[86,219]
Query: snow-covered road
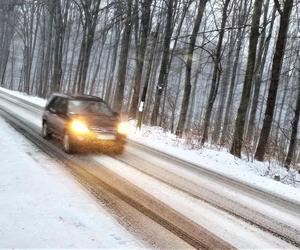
[215,220]
[43,207]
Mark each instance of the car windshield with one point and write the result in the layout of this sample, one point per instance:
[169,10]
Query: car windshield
[89,107]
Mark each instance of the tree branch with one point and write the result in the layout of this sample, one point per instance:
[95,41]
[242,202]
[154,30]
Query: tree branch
[278,7]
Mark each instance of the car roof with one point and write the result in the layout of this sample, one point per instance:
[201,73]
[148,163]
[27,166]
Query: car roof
[80,97]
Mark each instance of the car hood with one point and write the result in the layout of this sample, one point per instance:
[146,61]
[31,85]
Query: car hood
[98,121]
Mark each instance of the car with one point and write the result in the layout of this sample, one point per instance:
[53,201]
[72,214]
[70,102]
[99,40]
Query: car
[83,121]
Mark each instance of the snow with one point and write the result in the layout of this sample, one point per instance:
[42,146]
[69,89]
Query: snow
[42,206]
[33,99]
[214,220]
[257,174]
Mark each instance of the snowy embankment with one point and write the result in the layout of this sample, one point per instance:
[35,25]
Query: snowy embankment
[42,206]
[33,99]
[257,174]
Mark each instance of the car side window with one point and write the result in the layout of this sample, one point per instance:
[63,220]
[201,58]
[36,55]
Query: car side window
[51,105]
[58,105]
[61,106]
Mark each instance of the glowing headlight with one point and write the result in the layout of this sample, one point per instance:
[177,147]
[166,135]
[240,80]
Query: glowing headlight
[123,128]
[79,127]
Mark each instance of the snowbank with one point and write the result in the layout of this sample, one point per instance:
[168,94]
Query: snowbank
[257,174]
[33,99]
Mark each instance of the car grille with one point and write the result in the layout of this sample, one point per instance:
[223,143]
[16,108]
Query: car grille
[104,130]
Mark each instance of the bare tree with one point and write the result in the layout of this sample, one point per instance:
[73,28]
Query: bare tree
[60,22]
[244,103]
[275,75]
[188,68]
[164,64]
[216,74]
[119,94]
[241,30]
[259,68]
[89,10]
[293,139]
[147,78]
[146,11]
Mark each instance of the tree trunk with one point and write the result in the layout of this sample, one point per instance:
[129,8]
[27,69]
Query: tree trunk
[89,19]
[109,85]
[275,75]
[216,75]
[261,61]
[47,61]
[163,74]
[96,70]
[295,121]
[236,146]
[69,80]
[240,36]
[119,94]
[148,73]
[60,25]
[146,11]
[224,85]
[188,68]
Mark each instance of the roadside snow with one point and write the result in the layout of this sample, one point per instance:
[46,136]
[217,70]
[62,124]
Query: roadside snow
[239,233]
[33,99]
[255,173]
[42,206]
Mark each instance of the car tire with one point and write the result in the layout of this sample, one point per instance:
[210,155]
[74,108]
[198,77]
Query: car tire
[45,131]
[119,149]
[67,144]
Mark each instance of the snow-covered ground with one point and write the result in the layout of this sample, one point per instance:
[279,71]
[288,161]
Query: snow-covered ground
[258,174]
[238,233]
[213,159]
[42,206]
[33,99]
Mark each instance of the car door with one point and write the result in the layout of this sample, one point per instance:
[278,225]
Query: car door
[59,117]
[50,113]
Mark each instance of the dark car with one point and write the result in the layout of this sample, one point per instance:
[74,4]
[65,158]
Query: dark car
[83,120]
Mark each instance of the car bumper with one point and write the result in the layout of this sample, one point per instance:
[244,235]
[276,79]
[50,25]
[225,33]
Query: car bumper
[99,140]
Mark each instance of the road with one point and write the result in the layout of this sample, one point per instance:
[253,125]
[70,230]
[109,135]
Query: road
[204,209]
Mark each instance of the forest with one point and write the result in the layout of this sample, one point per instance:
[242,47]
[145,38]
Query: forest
[214,72]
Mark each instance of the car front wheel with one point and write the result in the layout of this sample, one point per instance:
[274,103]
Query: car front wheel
[67,144]
[45,131]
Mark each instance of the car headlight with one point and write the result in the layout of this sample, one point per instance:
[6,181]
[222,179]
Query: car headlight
[123,128]
[79,127]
